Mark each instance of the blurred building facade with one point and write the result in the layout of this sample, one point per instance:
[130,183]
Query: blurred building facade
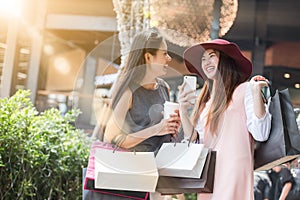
[68,52]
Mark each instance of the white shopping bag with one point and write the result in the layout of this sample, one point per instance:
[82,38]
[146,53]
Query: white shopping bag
[133,171]
[181,160]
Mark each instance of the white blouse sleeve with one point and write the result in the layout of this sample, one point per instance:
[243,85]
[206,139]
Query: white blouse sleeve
[259,128]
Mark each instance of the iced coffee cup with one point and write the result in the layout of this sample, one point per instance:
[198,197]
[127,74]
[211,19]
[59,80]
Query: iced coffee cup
[169,108]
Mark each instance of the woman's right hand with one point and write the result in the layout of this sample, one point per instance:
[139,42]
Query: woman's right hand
[170,125]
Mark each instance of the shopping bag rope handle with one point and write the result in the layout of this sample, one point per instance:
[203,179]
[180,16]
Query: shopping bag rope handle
[118,141]
[175,140]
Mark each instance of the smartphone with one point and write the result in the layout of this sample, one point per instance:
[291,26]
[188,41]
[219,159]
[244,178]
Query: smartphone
[191,84]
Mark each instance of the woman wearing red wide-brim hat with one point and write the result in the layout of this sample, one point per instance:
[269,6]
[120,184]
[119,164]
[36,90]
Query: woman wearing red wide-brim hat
[228,115]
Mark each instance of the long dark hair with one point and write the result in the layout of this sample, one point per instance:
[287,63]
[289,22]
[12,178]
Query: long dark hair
[228,79]
[134,71]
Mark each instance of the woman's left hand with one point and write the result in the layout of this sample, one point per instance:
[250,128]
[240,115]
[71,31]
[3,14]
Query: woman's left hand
[185,98]
[257,82]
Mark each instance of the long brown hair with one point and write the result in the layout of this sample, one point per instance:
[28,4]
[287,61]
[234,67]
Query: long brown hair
[134,71]
[228,79]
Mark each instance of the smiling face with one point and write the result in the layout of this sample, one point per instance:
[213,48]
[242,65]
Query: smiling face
[158,63]
[210,62]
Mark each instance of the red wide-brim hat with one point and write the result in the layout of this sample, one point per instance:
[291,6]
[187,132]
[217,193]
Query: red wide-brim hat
[193,56]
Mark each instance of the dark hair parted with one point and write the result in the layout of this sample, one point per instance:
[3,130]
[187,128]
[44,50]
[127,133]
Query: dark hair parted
[228,79]
[148,41]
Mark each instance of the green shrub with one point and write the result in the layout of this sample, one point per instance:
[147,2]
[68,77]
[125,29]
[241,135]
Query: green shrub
[191,196]
[41,154]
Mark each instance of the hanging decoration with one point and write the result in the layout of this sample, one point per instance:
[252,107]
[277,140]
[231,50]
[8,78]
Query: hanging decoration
[130,20]
[182,22]
[187,22]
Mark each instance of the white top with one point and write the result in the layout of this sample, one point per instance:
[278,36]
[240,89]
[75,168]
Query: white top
[259,128]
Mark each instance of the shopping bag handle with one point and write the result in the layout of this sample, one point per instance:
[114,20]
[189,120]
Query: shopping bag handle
[117,141]
[268,91]
[190,139]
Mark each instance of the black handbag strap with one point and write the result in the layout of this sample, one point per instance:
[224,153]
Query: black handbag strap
[268,92]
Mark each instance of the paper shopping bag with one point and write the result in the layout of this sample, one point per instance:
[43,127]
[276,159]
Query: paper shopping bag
[175,185]
[181,160]
[284,140]
[89,190]
[92,193]
[134,171]
[90,171]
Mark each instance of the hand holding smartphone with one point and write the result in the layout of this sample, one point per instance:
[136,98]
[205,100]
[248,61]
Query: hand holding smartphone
[191,83]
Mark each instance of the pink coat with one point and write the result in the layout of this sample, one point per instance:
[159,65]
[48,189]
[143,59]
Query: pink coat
[234,146]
